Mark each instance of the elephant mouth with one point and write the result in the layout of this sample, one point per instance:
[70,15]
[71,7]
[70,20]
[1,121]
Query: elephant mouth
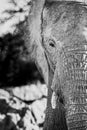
[73,84]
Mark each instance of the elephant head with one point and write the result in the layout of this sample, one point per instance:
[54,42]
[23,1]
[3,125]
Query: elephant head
[57,41]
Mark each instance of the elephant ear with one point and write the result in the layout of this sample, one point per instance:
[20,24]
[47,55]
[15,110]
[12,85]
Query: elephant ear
[34,38]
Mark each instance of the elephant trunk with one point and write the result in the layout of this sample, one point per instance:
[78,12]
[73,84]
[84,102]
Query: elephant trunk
[73,81]
[76,109]
[74,86]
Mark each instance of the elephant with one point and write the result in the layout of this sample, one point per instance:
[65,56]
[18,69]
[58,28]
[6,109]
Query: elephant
[56,35]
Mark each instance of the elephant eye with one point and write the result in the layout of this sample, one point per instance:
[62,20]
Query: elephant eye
[50,46]
[51,43]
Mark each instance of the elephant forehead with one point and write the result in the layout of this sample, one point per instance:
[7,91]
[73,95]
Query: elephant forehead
[69,33]
[66,23]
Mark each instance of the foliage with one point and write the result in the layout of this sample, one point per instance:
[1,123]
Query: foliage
[15,64]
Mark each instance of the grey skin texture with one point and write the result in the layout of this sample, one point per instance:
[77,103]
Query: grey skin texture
[56,35]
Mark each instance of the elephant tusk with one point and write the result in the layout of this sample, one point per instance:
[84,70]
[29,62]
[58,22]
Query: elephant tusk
[54,100]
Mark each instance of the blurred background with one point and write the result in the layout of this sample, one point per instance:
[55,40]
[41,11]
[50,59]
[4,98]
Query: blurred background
[23,93]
